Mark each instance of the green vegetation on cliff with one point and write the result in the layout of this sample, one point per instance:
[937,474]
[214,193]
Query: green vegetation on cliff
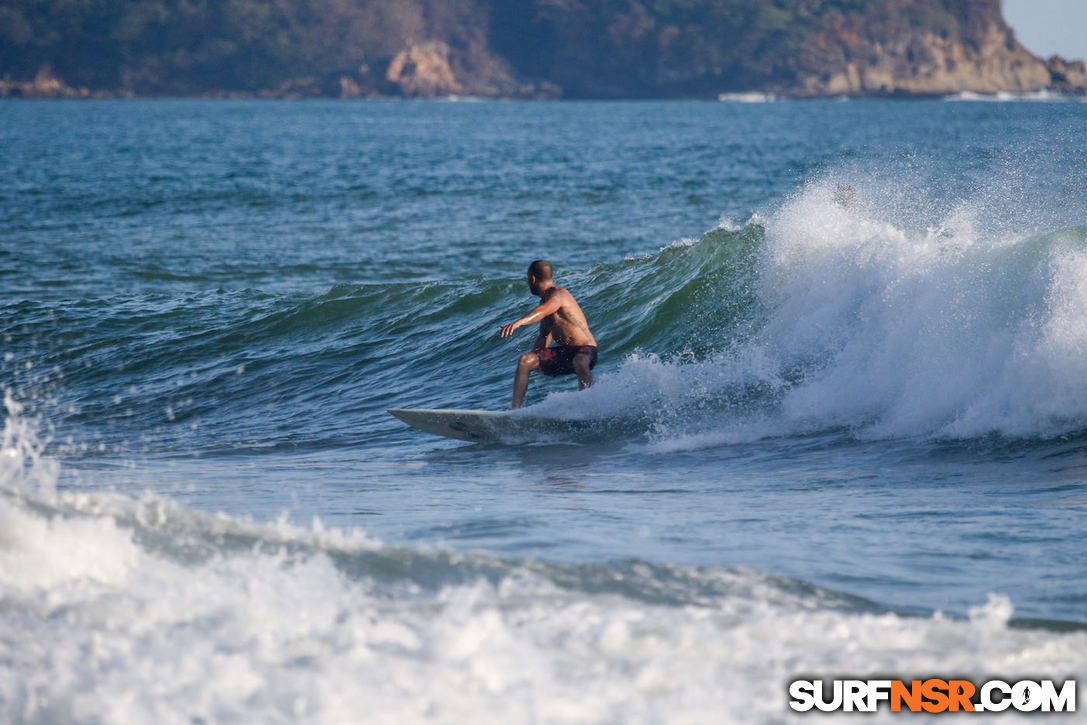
[576,48]
[194,46]
[665,47]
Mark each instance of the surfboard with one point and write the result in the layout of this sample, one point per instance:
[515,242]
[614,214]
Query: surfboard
[490,426]
[477,426]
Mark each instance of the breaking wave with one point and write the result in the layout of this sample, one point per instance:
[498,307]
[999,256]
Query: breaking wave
[825,316]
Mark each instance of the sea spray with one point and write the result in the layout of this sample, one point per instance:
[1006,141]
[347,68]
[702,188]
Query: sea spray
[24,466]
[915,332]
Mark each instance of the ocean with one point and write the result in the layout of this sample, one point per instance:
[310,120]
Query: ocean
[839,426]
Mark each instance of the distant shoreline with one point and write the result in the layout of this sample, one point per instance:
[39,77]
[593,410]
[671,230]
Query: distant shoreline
[1042,96]
[523,50]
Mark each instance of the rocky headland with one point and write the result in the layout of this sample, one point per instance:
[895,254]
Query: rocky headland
[518,49]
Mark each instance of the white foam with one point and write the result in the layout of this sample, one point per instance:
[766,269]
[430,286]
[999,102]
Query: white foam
[923,333]
[1007,96]
[120,634]
[748,97]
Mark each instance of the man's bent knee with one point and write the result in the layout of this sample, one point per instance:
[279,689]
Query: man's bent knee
[529,360]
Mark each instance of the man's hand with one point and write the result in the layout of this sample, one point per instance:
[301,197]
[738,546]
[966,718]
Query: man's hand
[507,330]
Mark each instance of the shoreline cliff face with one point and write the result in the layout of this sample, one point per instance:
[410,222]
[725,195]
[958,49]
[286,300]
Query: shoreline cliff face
[517,49]
[882,52]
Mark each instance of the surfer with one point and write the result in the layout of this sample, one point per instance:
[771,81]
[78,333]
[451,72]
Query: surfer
[561,320]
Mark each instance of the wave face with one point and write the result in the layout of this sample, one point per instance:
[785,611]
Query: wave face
[815,318]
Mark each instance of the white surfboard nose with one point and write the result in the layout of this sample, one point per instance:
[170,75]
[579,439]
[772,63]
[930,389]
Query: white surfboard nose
[466,425]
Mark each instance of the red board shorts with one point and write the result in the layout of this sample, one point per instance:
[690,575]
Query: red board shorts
[560,360]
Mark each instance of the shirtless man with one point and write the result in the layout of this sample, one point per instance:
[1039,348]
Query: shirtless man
[560,320]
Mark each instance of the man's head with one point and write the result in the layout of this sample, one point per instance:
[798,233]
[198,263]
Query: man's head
[539,276]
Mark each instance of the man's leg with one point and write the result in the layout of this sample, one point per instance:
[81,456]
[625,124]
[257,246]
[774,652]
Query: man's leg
[582,361]
[529,361]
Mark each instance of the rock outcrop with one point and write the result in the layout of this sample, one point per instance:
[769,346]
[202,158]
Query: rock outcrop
[423,70]
[45,84]
[1069,77]
[876,53]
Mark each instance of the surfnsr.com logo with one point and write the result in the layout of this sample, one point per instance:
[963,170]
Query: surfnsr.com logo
[932,695]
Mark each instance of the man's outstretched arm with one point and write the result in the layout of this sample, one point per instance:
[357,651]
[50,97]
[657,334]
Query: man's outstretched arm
[538,313]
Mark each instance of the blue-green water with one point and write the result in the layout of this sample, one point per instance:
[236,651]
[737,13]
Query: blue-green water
[815,423]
